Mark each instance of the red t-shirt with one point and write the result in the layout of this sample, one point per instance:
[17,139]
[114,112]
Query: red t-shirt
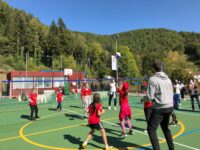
[147,104]
[75,90]
[123,99]
[33,98]
[59,97]
[82,91]
[87,92]
[93,117]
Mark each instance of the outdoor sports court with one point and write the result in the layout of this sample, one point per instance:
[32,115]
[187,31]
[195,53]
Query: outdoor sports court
[64,130]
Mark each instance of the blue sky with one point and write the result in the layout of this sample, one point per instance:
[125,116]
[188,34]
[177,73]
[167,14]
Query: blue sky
[114,16]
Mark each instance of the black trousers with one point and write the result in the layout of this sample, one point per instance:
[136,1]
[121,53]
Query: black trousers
[192,97]
[110,99]
[160,117]
[34,109]
[147,113]
[59,106]
[182,93]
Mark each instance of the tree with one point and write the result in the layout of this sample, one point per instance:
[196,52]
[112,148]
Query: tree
[177,66]
[69,62]
[127,66]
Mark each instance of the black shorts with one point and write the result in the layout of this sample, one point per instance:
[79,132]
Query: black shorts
[97,126]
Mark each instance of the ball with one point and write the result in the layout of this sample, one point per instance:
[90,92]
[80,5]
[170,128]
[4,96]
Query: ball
[117,55]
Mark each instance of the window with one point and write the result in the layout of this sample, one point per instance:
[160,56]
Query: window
[47,82]
[43,82]
[22,82]
[28,84]
[38,82]
[58,81]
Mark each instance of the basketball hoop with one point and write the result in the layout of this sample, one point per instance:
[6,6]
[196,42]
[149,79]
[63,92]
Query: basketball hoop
[68,72]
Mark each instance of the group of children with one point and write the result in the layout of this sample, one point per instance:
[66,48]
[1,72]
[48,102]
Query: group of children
[93,110]
[34,105]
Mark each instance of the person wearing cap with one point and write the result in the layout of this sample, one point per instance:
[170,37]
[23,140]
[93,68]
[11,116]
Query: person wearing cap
[160,93]
[125,110]
[112,94]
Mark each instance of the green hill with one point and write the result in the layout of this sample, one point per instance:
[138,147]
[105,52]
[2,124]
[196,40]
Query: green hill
[22,36]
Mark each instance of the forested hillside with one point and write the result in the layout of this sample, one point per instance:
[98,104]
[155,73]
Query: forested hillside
[24,38]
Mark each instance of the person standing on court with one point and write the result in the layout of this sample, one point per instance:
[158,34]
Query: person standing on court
[112,94]
[87,99]
[59,99]
[33,105]
[160,93]
[177,88]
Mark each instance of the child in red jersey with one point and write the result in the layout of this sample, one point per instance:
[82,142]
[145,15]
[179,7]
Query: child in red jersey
[125,110]
[87,99]
[33,104]
[95,111]
[59,98]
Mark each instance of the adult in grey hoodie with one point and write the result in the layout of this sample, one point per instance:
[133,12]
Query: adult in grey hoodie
[160,92]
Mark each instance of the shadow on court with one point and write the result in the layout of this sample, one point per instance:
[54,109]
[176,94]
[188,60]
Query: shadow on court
[76,106]
[118,142]
[133,127]
[77,141]
[188,110]
[73,116]
[52,109]
[25,117]
[139,119]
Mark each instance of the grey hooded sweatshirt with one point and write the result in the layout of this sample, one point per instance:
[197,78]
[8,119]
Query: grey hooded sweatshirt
[160,91]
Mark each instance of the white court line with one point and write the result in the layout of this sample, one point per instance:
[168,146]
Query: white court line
[192,114]
[158,137]
[183,145]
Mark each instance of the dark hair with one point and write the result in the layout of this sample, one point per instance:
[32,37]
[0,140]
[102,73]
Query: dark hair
[157,65]
[96,100]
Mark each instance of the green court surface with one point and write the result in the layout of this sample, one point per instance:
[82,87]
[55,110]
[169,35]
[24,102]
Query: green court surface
[63,130]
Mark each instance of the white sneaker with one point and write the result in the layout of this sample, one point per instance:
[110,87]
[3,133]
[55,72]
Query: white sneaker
[123,135]
[109,107]
[115,108]
[84,145]
[108,147]
[145,131]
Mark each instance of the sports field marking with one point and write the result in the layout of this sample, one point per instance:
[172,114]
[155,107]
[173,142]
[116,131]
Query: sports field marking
[162,140]
[51,147]
[190,132]
[46,146]
[59,113]
[186,113]
[16,137]
[81,124]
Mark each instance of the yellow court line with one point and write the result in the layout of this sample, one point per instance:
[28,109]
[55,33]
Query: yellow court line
[24,137]
[182,130]
[58,148]
[16,137]
[72,126]
[51,130]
